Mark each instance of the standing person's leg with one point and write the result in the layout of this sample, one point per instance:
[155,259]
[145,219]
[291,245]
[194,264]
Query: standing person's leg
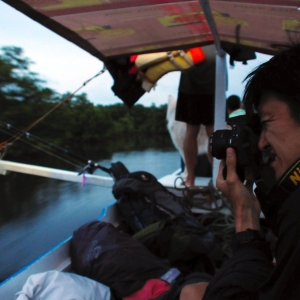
[187,112]
[190,150]
[209,132]
[207,112]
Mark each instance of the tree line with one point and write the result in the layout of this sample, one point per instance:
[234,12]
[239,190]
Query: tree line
[78,124]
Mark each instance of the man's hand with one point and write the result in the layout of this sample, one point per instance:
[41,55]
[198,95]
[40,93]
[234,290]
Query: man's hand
[245,205]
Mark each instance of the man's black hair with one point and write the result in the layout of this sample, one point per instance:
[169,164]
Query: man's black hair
[233,102]
[280,76]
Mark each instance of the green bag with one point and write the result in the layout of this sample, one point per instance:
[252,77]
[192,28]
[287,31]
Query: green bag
[179,239]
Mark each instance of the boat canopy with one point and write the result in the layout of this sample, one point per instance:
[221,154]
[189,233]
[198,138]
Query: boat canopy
[113,28]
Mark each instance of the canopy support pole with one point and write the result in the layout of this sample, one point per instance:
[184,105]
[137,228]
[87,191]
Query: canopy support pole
[221,79]
[220,105]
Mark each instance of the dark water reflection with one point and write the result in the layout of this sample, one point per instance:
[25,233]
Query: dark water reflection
[37,213]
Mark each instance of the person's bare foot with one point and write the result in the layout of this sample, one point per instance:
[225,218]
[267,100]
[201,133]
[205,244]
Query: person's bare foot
[188,184]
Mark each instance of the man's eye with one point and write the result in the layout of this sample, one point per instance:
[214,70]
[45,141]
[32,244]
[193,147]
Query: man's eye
[264,123]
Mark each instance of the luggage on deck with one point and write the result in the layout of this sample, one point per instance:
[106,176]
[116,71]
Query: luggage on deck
[152,289]
[101,252]
[182,241]
[55,285]
[158,234]
[163,222]
[181,282]
[143,200]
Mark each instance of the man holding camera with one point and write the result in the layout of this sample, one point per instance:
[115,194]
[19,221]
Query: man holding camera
[272,91]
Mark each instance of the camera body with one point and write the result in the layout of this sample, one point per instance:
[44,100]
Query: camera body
[242,137]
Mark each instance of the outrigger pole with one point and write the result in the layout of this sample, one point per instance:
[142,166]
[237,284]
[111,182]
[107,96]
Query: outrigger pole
[221,79]
[55,173]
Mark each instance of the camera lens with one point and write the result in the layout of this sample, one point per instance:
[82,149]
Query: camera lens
[219,141]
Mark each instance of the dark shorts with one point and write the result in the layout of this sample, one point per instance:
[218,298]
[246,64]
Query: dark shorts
[195,109]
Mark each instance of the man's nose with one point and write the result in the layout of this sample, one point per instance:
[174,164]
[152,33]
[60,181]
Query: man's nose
[263,142]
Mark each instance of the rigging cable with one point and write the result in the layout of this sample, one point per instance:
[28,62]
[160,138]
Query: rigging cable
[41,149]
[90,166]
[51,145]
[18,135]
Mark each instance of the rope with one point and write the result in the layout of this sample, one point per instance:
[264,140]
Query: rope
[18,135]
[211,200]
[222,226]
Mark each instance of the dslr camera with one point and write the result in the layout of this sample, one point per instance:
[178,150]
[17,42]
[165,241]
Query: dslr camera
[243,137]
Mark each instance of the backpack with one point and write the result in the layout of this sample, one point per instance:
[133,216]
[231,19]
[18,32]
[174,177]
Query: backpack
[103,253]
[142,200]
[163,222]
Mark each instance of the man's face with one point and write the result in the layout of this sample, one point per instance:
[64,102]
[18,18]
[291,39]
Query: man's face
[280,134]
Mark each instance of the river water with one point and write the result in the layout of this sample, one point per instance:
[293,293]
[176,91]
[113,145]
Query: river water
[38,213]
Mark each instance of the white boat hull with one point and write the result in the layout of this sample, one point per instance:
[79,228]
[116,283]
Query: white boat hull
[58,258]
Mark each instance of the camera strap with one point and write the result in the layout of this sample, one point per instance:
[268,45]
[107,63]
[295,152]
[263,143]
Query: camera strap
[285,186]
[290,180]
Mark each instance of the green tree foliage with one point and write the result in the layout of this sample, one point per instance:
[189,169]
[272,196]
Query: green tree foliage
[77,123]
